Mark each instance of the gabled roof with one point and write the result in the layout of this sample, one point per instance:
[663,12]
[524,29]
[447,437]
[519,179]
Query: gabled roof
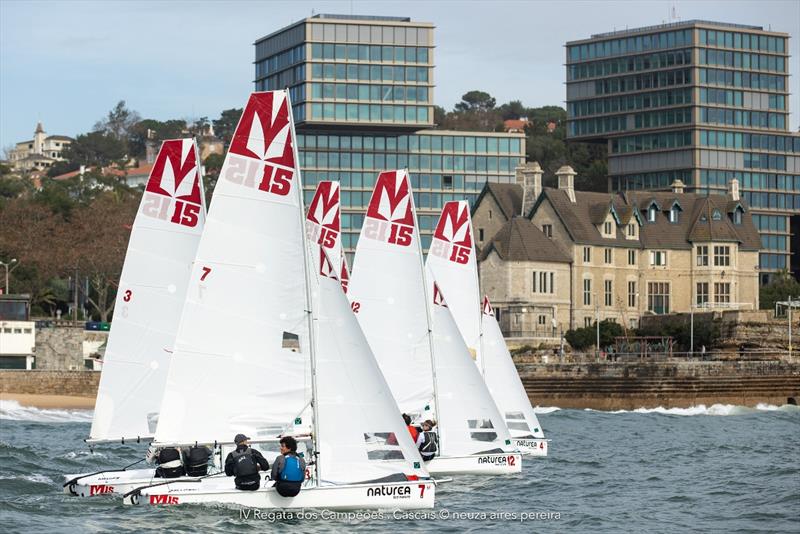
[507,196]
[59,138]
[520,240]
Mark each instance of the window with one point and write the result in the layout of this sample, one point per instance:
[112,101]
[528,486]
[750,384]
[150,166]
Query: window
[607,228]
[543,282]
[547,229]
[701,298]
[631,230]
[607,256]
[481,435]
[631,294]
[658,297]
[608,286]
[490,215]
[722,256]
[737,216]
[716,215]
[651,214]
[631,257]
[702,256]
[673,214]
[587,321]
[658,258]
[587,254]
[447,182]
[542,320]
[382,446]
[722,293]
[587,292]
[480,234]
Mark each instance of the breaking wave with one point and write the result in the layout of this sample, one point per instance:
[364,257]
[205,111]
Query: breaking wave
[14,411]
[714,409]
[545,409]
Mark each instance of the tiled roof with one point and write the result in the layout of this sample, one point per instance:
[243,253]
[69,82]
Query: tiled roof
[507,196]
[520,240]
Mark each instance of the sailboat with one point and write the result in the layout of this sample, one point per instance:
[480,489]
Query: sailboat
[152,289]
[452,259]
[416,342]
[266,332]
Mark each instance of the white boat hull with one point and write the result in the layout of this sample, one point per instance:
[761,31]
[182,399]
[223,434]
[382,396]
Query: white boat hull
[379,495]
[531,447]
[477,464]
[111,482]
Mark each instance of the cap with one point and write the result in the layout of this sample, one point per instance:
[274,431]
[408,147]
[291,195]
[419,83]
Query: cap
[240,438]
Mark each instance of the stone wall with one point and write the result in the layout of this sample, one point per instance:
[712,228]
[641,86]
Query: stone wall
[60,348]
[38,382]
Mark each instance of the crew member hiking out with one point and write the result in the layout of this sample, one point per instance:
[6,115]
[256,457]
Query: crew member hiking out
[428,441]
[288,469]
[244,463]
[168,461]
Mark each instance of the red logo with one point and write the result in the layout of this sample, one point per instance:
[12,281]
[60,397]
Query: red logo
[453,239]
[344,277]
[100,489]
[173,190]
[163,499]
[264,139]
[487,307]
[438,298]
[326,268]
[323,215]
[389,216]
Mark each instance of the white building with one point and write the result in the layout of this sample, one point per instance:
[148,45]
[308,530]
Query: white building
[17,333]
[40,152]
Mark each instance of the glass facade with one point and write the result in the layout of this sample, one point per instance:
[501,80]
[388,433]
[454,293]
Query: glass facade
[361,89]
[703,102]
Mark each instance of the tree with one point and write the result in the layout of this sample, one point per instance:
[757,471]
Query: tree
[782,286]
[95,148]
[513,110]
[583,338]
[212,165]
[119,122]
[476,101]
[226,124]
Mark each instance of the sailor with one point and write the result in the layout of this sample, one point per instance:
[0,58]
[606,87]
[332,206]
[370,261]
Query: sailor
[428,441]
[244,463]
[411,428]
[288,469]
[195,460]
[167,460]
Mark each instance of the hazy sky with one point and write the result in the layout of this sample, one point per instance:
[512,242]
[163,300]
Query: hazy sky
[67,63]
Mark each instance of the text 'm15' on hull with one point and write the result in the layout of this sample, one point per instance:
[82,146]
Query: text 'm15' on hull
[405,495]
[503,463]
[112,482]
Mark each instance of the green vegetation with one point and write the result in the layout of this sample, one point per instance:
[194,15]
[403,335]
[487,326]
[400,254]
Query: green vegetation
[782,286]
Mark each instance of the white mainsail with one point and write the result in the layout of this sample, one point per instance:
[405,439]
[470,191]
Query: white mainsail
[242,353]
[152,289]
[503,380]
[361,434]
[387,292]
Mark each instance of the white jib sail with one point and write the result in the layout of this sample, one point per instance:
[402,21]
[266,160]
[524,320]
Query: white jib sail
[469,421]
[152,290]
[242,354]
[503,380]
[362,436]
[451,259]
[387,292]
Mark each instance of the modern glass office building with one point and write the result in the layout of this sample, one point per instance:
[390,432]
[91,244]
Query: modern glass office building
[362,93]
[703,102]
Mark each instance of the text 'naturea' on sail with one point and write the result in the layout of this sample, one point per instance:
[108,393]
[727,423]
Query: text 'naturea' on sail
[232,370]
[152,289]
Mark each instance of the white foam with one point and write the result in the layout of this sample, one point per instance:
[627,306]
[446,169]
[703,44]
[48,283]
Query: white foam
[545,409]
[42,479]
[13,410]
[714,409]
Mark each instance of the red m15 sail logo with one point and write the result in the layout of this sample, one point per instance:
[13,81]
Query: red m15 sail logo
[344,277]
[452,237]
[100,489]
[163,499]
[438,298]
[389,216]
[326,268]
[322,221]
[487,307]
[173,191]
[261,155]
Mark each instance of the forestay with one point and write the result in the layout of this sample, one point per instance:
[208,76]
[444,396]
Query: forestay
[387,292]
[469,421]
[503,380]
[241,361]
[361,434]
[152,290]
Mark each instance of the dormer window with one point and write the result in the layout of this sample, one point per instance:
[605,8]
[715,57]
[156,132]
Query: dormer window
[673,214]
[607,228]
[631,230]
[651,213]
[716,215]
[737,215]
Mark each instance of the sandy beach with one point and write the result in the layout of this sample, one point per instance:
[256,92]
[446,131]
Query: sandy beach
[50,401]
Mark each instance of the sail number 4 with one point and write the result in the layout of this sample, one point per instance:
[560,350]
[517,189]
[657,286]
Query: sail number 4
[161,207]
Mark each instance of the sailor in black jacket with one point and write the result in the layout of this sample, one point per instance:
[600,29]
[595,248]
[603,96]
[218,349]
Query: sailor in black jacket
[244,463]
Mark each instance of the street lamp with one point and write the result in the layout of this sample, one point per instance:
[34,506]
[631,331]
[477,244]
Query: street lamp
[8,268]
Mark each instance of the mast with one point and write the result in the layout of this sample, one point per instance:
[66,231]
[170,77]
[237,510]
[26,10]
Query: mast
[427,308]
[309,307]
[480,299]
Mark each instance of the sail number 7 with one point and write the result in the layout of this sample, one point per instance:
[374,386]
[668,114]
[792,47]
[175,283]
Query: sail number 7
[206,272]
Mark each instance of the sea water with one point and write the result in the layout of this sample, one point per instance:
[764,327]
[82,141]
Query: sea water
[719,468]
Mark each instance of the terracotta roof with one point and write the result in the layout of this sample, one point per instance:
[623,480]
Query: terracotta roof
[520,240]
[507,196]
[111,171]
[515,124]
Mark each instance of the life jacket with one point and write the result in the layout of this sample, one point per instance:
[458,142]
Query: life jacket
[430,445]
[291,471]
[169,463]
[244,465]
[414,433]
[197,462]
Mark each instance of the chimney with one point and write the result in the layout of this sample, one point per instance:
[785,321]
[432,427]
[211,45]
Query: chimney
[677,186]
[566,181]
[734,189]
[529,176]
